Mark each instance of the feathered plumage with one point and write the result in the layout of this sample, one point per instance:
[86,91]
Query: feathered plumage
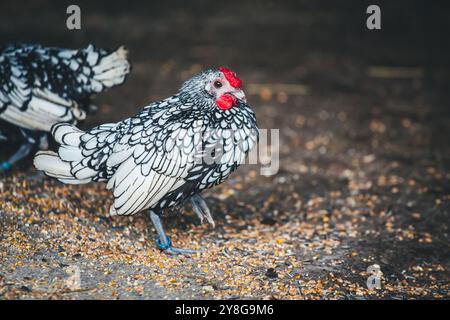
[168,153]
[157,159]
[42,86]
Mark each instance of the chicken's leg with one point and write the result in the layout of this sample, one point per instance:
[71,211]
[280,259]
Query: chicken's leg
[24,150]
[201,209]
[164,242]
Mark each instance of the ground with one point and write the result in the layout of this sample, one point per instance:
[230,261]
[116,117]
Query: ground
[364,159]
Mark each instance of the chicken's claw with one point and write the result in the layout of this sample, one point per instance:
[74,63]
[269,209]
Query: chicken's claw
[201,209]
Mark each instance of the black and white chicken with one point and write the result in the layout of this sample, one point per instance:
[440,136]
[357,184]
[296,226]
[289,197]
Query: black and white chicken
[166,154]
[42,86]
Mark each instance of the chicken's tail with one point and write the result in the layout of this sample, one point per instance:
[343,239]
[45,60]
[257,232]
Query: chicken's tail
[81,157]
[109,69]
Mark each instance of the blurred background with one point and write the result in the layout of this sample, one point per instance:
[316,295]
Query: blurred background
[323,45]
[363,116]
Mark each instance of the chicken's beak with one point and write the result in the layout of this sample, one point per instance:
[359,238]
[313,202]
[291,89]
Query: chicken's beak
[239,94]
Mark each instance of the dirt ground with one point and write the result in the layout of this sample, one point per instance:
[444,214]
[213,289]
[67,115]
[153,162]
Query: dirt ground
[364,158]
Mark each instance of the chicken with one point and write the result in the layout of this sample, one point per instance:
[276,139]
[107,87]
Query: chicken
[40,87]
[166,154]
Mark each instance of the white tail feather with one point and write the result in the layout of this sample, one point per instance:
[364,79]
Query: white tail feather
[69,153]
[75,162]
[67,134]
[112,69]
[52,165]
[59,165]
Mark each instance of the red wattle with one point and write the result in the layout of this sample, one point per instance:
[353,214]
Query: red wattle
[225,101]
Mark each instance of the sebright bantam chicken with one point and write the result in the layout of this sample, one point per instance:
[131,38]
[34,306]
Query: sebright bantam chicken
[166,154]
[42,86]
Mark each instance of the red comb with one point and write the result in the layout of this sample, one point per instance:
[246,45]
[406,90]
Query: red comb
[234,81]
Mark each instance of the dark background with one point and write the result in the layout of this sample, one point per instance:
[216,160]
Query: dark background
[320,43]
[364,128]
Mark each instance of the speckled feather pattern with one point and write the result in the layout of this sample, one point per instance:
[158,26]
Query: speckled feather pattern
[41,86]
[155,158]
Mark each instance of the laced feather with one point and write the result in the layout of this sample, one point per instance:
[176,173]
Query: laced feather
[151,159]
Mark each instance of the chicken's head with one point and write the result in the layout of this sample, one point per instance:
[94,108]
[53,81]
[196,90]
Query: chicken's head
[220,86]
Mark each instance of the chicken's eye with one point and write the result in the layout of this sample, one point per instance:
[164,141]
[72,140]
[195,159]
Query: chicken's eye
[217,84]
